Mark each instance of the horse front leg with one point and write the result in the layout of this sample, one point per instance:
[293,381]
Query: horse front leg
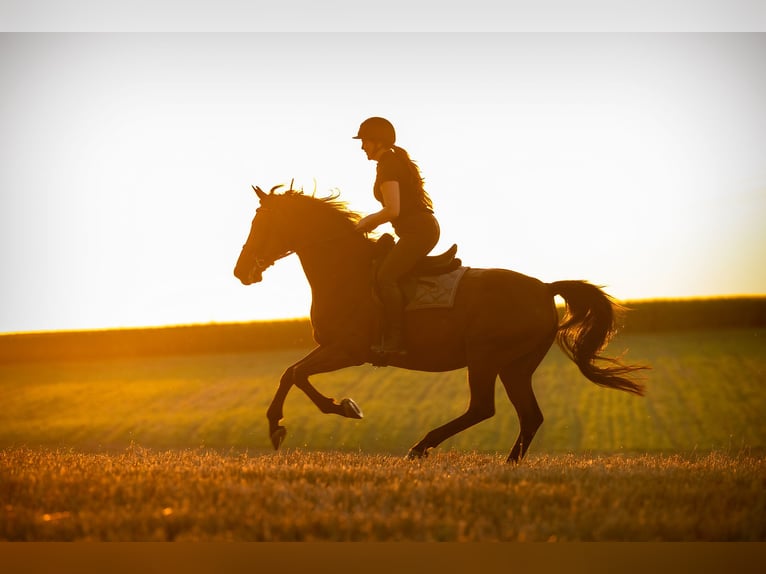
[323,359]
[274,414]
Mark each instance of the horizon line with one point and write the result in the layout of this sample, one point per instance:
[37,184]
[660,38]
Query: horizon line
[623,302]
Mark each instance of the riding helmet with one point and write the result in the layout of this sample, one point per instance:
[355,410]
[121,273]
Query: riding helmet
[377,129]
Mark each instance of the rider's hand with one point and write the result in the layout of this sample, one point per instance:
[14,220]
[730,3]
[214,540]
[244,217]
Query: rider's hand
[365,225]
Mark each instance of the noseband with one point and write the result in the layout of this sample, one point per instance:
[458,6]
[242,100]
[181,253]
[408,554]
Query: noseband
[263,263]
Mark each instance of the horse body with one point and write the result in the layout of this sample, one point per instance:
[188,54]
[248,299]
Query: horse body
[501,325]
[491,312]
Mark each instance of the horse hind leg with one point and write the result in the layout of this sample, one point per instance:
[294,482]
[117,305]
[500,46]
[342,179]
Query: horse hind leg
[517,380]
[481,381]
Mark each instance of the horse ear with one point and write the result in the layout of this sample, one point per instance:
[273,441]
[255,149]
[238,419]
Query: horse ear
[259,192]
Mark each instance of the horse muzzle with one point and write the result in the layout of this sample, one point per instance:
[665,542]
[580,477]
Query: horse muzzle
[246,274]
[254,275]
[251,275]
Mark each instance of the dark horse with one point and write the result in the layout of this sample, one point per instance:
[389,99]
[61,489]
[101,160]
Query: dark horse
[502,322]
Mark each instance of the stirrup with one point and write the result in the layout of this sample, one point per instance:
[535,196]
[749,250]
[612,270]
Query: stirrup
[386,348]
[389,351]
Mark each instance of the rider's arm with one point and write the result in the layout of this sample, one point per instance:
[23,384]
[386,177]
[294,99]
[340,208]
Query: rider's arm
[389,190]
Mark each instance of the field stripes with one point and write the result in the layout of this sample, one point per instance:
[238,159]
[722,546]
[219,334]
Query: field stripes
[706,391]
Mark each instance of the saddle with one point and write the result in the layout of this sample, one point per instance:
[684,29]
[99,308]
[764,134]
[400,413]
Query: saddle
[430,265]
[431,284]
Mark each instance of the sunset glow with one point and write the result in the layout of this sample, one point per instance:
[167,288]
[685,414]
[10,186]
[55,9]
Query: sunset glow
[632,161]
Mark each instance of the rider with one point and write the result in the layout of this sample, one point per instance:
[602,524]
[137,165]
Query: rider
[406,205]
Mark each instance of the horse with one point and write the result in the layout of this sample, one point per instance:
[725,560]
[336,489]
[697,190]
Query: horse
[502,323]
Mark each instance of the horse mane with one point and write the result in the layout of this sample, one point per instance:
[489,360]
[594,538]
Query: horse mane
[331,206]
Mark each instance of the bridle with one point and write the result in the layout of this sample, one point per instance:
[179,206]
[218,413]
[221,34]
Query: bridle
[263,263]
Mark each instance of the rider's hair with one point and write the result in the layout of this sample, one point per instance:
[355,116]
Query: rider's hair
[415,171]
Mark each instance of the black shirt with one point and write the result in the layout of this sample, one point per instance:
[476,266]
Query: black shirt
[413,198]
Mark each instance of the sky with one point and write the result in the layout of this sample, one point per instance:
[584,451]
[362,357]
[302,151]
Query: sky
[634,161]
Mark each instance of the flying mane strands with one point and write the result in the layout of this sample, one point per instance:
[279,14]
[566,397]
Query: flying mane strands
[331,200]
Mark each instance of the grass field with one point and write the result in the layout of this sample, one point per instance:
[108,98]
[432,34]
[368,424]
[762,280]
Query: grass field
[705,392]
[201,495]
[176,448]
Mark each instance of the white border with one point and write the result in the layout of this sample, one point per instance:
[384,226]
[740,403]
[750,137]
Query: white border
[387,16]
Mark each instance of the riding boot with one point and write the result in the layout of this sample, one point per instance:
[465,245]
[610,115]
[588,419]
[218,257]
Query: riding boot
[393,320]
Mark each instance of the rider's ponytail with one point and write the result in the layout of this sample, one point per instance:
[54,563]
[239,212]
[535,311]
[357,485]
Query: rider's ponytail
[416,175]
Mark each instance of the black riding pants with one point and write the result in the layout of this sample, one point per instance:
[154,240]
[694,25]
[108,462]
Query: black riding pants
[418,235]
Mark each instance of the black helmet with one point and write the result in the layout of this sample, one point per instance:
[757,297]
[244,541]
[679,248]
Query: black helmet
[377,129]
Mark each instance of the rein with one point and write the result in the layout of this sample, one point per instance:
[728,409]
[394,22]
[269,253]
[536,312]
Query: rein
[262,263]
[275,228]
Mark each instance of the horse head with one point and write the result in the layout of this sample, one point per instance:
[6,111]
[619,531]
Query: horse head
[292,222]
[266,242]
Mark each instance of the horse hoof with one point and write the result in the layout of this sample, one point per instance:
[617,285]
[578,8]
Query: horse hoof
[415,454]
[351,409]
[278,436]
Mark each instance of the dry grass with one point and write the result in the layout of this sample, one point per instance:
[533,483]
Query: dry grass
[204,495]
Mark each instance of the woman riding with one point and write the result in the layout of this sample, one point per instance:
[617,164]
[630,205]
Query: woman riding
[406,205]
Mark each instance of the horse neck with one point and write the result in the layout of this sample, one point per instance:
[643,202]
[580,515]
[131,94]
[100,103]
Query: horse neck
[335,263]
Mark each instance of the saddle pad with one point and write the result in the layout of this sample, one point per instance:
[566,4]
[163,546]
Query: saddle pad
[433,291]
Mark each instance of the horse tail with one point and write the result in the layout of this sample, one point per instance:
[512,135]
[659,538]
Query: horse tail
[589,323]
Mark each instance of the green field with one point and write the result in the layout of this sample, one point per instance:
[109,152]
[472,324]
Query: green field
[176,448]
[705,392]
